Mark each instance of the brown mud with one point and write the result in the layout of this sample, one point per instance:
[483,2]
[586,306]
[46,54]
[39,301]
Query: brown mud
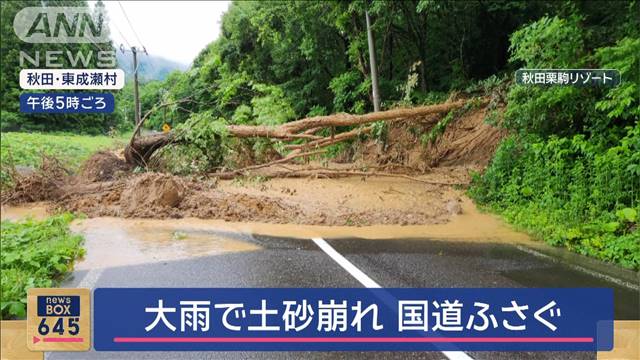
[346,201]
[420,185]
[103,166]
[468,141]
[36,211]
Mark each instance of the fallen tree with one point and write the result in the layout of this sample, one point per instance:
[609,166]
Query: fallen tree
[141,148]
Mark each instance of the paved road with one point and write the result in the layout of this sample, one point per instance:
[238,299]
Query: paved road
[279,262]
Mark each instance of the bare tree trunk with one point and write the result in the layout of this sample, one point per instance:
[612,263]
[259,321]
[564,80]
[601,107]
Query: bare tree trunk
[372,65]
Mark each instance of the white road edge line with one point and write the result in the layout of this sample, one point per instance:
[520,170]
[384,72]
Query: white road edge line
[342,261]
[369,283]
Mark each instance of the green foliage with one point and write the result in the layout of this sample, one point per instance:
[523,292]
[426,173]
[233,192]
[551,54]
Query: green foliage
[10,120]
[27,148]
[438,129]
[566,110]
[622,101]
[206,138]
[572,174]
[271,107]
[34,254]
[349,92]
[408,87]
[242,115]
[181,159]
[431,98]
[317,111]
[380,130]
[487,85]
[569,191]
[548,43]
[282,59]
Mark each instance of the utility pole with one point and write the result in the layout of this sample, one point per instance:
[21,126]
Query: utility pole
[373,65]
[136,93]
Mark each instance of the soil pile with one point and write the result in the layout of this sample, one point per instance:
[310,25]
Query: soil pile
[150,193]
[467,141]
[103,166]
[351,201]
[45,183]
[241,207]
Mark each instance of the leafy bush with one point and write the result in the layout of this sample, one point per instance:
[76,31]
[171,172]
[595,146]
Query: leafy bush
[438,129]
[350,92]
[570,192]
[204,145]
[271,107]
[10,120]
[566,110]
[548,43]
[622,101]
[181,159]
[34,254]
[571,173]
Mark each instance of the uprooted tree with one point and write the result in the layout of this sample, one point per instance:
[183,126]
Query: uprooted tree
[141,148]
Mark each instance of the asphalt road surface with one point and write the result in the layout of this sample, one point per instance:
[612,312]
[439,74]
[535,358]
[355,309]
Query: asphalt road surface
[282,262]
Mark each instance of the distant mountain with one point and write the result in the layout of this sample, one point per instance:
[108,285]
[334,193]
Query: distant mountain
[149,68]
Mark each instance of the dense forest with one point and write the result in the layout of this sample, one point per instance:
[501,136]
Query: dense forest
[569,172]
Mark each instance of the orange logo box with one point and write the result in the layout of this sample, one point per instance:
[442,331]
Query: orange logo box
[59,319]
[626,341]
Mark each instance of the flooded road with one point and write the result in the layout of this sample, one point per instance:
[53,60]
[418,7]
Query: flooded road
[111,242]
[473,250]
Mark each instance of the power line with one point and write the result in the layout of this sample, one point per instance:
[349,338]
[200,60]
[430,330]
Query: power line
[122,35]
[136,64]
[131,26]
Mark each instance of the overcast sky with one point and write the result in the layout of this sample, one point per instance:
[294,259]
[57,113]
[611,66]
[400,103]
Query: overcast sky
[176,30]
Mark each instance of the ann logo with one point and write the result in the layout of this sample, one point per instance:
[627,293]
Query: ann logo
[60,25]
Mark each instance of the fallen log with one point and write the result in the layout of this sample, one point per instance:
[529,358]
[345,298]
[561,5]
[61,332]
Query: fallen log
[246,170]
[329,140]
[139,150]
[286,130]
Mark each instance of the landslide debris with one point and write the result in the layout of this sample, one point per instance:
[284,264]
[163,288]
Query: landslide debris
[103,166]
[150,193]
[413,185]
[467,141]
[45,183]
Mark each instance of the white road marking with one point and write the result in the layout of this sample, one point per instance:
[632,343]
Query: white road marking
[342,261]
[369,283]
[90,280]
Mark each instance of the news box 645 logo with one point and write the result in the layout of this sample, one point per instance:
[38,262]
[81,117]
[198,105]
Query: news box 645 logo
[59,319]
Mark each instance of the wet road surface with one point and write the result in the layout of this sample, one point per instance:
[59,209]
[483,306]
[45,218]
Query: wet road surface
[217,259]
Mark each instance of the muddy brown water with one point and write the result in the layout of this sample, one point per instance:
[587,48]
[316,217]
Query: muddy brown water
[116,242]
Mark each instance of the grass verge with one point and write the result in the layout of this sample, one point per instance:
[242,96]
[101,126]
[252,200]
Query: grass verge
[26,149]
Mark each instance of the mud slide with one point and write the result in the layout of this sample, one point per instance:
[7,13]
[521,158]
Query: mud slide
[409,183]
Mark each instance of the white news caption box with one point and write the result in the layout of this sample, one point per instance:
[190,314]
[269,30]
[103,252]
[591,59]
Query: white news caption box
[59,83]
